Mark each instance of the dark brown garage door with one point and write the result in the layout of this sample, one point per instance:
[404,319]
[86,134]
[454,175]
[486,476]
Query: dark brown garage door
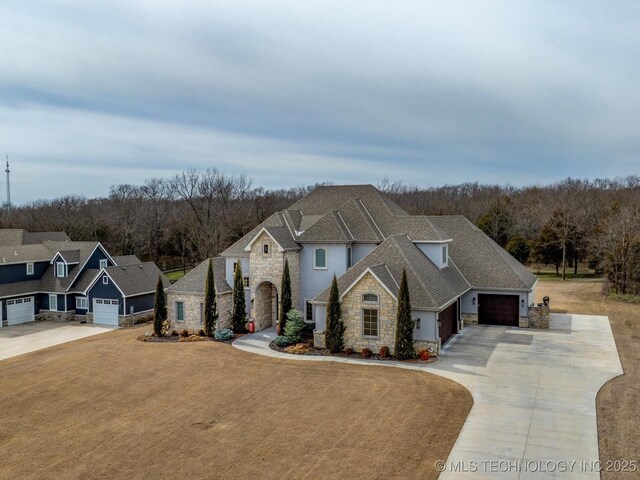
[448,322]
[498,310]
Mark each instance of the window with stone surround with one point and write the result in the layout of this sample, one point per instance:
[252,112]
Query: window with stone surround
[370,322]
[265,248]
[179,311]
[245,281]
[370,298]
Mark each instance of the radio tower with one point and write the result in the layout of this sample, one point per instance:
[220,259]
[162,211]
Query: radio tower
[8,183]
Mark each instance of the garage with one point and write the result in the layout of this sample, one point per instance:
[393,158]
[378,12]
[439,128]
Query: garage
[20,310]
[448,320]
[105,311]
[499,310]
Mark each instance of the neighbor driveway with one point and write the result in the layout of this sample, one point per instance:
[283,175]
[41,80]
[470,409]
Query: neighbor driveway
[534,395]
[28,337]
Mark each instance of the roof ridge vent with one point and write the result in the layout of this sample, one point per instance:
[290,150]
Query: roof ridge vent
[140,266]
[124,268]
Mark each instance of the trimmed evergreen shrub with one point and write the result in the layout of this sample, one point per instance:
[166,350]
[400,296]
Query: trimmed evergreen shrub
[210,304]
[384,352]
[239,312]
[285,296]
[334,331]
[184,333]
[295,326]
[282,341]
[366,353]
[404,323]
[159,308]
[223,335]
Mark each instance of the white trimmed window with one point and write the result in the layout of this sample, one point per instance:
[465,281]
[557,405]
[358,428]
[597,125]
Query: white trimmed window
[82,303]
[320,259]
[417,324]
[370,322]
[103,263]
[29,268]
[179,311]
[53,303]
[105,279]
[444,255]
[308,311]
[61,269]
[245,281]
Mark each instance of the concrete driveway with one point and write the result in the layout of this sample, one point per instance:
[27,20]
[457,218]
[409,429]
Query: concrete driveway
[28,337]
[534,393]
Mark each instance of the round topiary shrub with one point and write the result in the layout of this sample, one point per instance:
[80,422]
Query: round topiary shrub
[366,353]
[223,335]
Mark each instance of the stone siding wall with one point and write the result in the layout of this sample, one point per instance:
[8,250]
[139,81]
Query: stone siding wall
[470,319]
[268,268]
[426,344]
[56,316]
[539,317]
[192,302]
[352,316]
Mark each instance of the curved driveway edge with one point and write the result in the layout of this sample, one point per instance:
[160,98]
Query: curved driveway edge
[534,395]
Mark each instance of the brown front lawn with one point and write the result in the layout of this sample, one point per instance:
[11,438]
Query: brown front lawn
[618,402]
[111,407]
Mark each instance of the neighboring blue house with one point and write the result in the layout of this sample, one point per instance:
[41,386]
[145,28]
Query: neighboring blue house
[47,276]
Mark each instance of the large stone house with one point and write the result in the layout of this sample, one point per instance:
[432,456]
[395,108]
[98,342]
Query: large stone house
[456,274]
[46,276]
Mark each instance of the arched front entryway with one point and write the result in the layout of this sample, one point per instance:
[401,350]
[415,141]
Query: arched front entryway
[265,305]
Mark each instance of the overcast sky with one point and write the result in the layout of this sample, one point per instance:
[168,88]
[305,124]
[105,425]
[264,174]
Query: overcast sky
[93,94]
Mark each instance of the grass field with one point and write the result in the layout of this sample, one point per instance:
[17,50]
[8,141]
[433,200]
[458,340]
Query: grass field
[618,404]
[177,275]
[112,407]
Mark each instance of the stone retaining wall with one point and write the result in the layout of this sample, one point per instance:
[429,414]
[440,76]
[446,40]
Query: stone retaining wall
[470,318]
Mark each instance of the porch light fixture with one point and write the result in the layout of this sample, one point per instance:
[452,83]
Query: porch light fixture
[522,302]
[473,301]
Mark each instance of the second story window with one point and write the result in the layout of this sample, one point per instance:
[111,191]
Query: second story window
[370,298]
[245,280]
[29,268]
[103,263]
[61,270]
[320,259]
[265,248]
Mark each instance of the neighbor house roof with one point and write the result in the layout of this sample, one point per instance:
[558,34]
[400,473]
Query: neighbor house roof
[137,278]
[19,236]
[430,288]
[484,263]
[194,281]
[121,260]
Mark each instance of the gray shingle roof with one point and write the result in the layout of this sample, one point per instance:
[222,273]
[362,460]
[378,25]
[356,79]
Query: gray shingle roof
[71,256]
[482,261]
[137,279]
[429,287]
[125,260]
[24,253]
[19,288]
[194,281]
[277,228]
[18,236]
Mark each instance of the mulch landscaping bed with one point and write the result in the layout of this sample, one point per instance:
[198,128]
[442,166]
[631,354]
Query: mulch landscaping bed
[183,339]
[324,352]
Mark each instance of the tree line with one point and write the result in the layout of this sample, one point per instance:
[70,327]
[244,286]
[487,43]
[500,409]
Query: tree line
[197,214]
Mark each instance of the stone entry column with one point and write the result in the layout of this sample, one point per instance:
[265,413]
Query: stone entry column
[265,305]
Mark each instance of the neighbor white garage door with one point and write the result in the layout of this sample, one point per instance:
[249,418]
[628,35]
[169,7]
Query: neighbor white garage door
[105,311]
[20,310]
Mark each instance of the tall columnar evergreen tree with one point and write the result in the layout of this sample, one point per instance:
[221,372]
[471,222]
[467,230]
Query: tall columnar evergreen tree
[159,309]
[210,304]
[285,295]
[404,324]
[334,331]
[239,313]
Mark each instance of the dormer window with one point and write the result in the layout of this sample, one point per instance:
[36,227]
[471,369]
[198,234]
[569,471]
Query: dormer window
[61,270]
[29,268]
[320,259]
[103,263]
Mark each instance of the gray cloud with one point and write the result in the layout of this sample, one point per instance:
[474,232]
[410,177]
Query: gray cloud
[294,93]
